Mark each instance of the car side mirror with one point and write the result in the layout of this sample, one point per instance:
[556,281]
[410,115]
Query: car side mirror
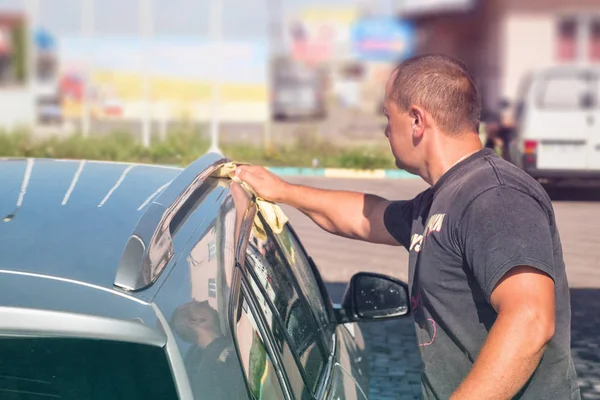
[371,296]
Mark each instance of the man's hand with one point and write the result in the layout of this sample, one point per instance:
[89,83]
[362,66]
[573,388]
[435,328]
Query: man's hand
[524,300]
[348,214]
[267,185]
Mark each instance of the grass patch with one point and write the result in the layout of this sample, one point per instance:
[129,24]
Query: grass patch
[183,147]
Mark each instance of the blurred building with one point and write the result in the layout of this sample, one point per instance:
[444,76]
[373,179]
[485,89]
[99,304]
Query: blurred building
[502,40]
[16,100]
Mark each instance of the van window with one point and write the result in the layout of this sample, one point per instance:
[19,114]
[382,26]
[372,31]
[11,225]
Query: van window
[52,368]
[566,92]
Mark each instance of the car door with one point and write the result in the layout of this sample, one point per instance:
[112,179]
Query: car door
[559,119]
[593,121]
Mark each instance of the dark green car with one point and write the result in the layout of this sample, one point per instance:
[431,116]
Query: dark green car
[122,281]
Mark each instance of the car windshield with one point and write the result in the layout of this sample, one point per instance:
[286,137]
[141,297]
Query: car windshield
[58,368]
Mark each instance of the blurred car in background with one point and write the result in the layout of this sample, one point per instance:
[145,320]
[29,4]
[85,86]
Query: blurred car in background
[297,91]
[49,110]
[558,124]
[129,281]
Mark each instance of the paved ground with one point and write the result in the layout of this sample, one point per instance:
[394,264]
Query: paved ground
[395,361]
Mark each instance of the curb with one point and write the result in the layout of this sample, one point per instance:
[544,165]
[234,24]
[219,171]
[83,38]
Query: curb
[343,173]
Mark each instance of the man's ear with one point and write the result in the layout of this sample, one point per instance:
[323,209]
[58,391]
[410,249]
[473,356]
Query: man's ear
[417,114]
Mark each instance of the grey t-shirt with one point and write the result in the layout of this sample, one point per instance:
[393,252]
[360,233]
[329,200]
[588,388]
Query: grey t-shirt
[482,218]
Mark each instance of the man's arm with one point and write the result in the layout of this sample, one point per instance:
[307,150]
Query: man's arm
[507,243]
[524,300]
[348,214]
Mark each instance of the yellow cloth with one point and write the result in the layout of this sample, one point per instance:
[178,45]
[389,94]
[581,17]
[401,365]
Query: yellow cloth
[271,212]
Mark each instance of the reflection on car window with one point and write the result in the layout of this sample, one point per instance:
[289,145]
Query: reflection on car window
[301,268]
[48,368]
[273,273]
[195,300]
[260,374]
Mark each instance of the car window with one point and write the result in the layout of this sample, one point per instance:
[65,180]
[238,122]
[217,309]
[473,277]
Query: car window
[52,368]
[267,264]
[261,375]
[298,261]
[565,92]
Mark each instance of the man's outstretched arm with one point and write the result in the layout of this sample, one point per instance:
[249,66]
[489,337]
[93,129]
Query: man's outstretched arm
[349,214]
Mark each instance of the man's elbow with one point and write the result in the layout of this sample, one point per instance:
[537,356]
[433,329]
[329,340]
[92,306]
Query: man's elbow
[541,324]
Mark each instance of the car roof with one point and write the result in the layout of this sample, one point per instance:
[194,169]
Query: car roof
[71,219]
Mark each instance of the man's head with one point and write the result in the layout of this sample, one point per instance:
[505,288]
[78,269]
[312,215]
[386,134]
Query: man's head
[196,322]
[429,100]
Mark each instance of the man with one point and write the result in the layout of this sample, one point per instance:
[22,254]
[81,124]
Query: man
[489,291]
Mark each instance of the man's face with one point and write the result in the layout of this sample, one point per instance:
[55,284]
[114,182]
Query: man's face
[202,317]
[399,130]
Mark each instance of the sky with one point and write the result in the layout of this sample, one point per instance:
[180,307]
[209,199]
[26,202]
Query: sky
[242,19]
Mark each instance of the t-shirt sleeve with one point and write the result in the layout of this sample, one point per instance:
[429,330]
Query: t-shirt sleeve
[398,218]
[504,228]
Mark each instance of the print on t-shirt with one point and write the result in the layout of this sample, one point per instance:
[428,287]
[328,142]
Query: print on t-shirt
[434,224]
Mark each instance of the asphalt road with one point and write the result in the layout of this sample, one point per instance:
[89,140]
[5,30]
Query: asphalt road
[394,357]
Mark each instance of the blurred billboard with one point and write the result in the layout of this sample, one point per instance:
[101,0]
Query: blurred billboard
[320,35]
[382,39]
[178,71]
[356,51]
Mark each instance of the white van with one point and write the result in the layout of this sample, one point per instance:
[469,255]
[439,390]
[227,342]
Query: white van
[558,124]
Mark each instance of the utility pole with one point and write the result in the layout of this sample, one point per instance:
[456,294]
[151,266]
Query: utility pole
[216,37]
[145,18]
[87,29]
[276,52]
[33,12]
